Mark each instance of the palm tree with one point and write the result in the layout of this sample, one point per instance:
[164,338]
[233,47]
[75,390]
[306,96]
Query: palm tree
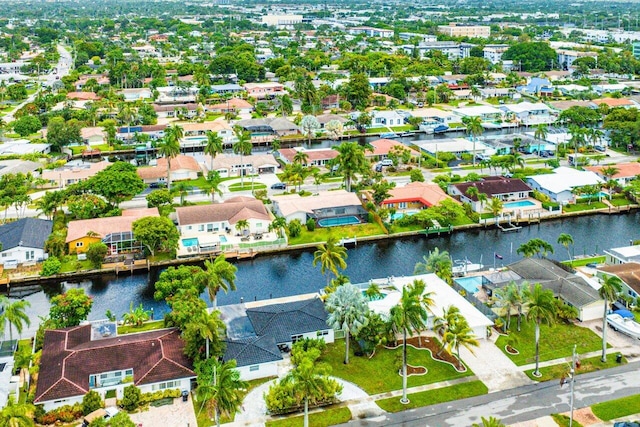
[541,131]
[242,225]
[221,388]
[331,257]
[136,316]
[213,147]
[243,146]
[436,262]
[565,240]
[506,299]
[611,287]
[208,326]
[459,333]
[449,316]
[495,206]
[348,310]
[14,313]
[542,309]
[350,161]
[301,158]
[170,148]
[278,225]
[409,315]
[474,130]
[219,274]
[307,378]
[212,185]
[17,414]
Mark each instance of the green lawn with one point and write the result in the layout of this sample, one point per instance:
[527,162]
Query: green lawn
[563,420]
[71,264]
[586,365]
[380,373]
[581,262]
[621,201]
[612,409]
[578,207]
[320,234]
[78,149]
[247,186]
[329,417]
[147,326]
[556,341]
[432,397]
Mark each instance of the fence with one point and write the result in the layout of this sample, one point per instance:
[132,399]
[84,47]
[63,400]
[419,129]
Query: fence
[482,307]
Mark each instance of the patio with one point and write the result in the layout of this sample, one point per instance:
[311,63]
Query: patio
[213,243]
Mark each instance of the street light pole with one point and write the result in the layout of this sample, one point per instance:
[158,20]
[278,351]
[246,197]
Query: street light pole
[572,372]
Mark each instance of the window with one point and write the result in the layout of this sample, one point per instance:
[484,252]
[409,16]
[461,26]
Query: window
[322,333]
[165,385]
[209,228]
[340,211]
[201,227]
[296,338]
[402,205]
[30,255]
[79,244]
[254,368]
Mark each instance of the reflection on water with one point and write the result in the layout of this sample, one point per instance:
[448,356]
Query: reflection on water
[292,273]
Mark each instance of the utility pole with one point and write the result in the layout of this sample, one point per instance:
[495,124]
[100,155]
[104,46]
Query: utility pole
[572,373]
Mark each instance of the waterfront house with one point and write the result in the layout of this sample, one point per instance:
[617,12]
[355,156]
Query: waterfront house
[315,156]
[415,196]
[575,290]
[233,105]
[560,184]
[195,134]
[324,205]
[229,88]
[269,126]
[628,273]
[258,333]
[113,231]
[623,254]
[23,241]
[126,133]
[505,189]
[323,119]
[386,118]
[183,168]
[186,109]
[81,358]
[83,96]
[485,112]
[231,165]
[72,174]
[93,135]
[136,94]
[382,147]
[529,114]
[456,146]
[626,172]
[615,103]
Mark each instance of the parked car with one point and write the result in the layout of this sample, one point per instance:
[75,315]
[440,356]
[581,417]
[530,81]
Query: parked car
[386,162]
[279,186]
[378,167]
[600,148]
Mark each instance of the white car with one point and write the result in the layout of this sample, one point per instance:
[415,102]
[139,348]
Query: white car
[386,162]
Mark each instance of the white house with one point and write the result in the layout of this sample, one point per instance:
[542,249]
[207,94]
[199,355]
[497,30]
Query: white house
[560,184]
[529,113]
[485,112]
[23,241]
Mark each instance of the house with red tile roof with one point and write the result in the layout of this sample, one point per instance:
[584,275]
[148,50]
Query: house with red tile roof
[182,168]
[72,174]
[232,105]
[88,357]
[382,148]
[505,189]
[315,156]
[415,196]
[625,172]
[83,96]
[614,102]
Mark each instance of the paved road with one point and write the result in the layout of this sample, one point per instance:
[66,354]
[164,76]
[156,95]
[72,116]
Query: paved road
[521,403]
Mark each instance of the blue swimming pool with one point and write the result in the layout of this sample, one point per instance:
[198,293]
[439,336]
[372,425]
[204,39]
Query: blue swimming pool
[341,220]
[518,204]
[470,284]
[190,242]
[223,239]
[402,214]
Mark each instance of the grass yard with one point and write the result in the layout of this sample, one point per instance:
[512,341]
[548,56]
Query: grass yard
[563,420]
[620,201]
[578,207]
[556,341]
[329,417]
[587,365]
[432,397]
[584,261]
[247,186]
[147,326]
[320,234]
[380,373]
[71,264]
[612,409]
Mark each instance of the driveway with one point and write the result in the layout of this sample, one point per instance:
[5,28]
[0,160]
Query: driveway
[179,414]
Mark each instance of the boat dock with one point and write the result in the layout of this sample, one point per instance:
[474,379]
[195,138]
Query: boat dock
[437,229]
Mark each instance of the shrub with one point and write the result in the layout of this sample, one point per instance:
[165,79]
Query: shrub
[51,266]
[90,402]
[294,228]
[311,224]
[131,398]
[65,414]
[416,175]
[96,253]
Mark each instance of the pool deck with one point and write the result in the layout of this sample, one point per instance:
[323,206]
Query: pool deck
[229,243]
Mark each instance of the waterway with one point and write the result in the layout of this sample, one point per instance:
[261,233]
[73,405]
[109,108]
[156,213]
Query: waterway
[293,273]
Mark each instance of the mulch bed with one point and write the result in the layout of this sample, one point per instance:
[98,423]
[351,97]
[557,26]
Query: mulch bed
[426,343]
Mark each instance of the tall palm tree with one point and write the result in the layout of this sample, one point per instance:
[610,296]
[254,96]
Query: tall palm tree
[474,130]
[212,185]
[495,206]
[350,161]
[436,262]
[221,388]
[449,316]
[17,414]
[541,132]
[278,225]
[611,287]
[331,256]
[459,333]
[213,147]
[14,314]
[566,240]
[170,148]
[408,316]
[208,326]
[242,146]
[542,309]
[348,310]
[301,158]
[219,274]
[507,300]
[307,378]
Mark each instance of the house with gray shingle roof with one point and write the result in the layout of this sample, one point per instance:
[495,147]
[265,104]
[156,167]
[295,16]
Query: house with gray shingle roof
[258,332]
[571,288]
[23,241]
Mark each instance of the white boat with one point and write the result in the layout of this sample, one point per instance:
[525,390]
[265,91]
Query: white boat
[625,325]
[465,266]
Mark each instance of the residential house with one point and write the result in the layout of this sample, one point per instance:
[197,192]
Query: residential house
[537,86]
[231,88]
[264,90]
[79,359]
[233,105]
[324,205]
[323,119]
[457,146]
[231,165]
[382,148]
[628,273]
[415,196]
[183,168]
[615,102]
[315,156]
[275,126]
[23,241]
[575,290]
[330,102]
[195,134]
[72,173]
[187,109]
[435,114]
[126,133]
[101,79]
[386,118]
[114,231]
[15,166]
[83,96]
[560,184]
[259,333]
[528,113]
[177,94]
[136,94]
[505,189]
[93,135]
[560,106]
[625,172]
[485,112]
[623,254]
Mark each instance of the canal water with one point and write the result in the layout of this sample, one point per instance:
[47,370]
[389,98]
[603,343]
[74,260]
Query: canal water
[292,273]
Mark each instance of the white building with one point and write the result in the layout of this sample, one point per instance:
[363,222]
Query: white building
[560,184]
